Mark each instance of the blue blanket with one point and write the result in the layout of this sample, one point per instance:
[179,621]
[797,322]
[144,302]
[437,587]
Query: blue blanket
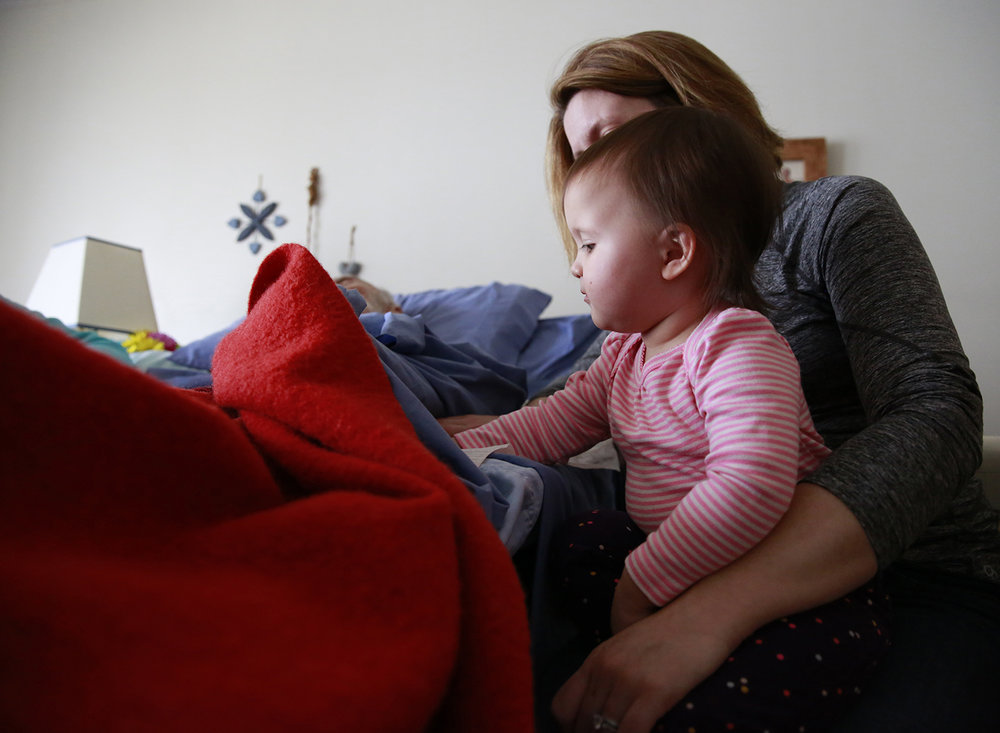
[477,350]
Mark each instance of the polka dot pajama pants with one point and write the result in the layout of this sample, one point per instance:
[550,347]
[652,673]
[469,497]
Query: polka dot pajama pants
[795,674]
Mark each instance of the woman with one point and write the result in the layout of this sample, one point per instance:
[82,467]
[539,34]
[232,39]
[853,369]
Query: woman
[890,390]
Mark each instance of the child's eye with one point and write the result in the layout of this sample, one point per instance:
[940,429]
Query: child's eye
[588,248]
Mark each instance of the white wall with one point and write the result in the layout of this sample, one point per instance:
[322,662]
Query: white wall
[147,123]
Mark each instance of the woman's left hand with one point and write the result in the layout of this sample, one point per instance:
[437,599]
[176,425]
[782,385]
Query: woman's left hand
[818,552]
[639,674]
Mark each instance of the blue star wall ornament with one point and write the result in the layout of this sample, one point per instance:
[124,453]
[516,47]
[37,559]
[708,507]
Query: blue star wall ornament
[256,220]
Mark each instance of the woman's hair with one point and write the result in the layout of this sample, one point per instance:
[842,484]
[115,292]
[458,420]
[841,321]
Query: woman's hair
[696,167]
[665,68]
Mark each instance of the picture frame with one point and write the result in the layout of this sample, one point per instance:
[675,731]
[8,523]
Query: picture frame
[803,159]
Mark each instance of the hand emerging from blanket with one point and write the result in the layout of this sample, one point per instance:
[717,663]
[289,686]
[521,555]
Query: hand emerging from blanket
[378,299]
[459,423]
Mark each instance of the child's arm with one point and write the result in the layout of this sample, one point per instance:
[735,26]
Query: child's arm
[560,426]
[761,441]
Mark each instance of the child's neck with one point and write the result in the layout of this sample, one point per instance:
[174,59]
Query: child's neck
[675,328]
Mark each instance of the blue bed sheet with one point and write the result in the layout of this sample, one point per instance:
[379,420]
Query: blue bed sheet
[481,350]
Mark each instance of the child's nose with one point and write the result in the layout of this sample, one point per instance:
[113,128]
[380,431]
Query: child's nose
[576,270]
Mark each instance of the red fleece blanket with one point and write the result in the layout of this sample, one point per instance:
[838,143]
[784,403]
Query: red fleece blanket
[153,577]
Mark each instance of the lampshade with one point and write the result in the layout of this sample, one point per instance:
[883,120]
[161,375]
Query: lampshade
[93,284]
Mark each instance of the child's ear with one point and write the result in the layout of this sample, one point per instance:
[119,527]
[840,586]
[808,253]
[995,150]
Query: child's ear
[677,247]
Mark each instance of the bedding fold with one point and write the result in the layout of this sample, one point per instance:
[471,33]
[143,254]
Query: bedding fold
[154,575]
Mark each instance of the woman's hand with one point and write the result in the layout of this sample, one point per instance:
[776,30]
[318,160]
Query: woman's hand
[639,674]
[630,604]
[458,423]
[816,553]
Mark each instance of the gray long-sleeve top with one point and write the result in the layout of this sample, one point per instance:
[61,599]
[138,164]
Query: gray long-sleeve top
[887,381]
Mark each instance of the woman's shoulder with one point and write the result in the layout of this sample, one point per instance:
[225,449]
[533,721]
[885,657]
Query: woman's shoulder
[835,183]
[839,216]
[844,193]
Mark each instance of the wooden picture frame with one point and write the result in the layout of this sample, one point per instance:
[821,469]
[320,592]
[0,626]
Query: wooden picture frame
[803,159]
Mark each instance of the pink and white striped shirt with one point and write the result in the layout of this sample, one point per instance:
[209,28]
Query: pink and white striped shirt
[715,433]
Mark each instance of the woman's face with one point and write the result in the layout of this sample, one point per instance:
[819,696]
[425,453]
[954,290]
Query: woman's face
[593,113]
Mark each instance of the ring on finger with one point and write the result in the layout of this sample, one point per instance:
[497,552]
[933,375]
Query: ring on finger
[602,723]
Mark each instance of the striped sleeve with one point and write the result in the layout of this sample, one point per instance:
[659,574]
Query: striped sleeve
[746,383]
[564,424]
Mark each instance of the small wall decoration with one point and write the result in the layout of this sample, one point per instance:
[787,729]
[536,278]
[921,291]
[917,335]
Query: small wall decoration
[351,268]
[312,224]
[257,219]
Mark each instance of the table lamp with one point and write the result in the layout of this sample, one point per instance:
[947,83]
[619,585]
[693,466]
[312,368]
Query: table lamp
[91,284]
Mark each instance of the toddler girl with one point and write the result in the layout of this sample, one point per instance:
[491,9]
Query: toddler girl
[701,396]
[699,392]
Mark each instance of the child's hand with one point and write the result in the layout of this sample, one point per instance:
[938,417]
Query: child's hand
[458,423]
[629,605]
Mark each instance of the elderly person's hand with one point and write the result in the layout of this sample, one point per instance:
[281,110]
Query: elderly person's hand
[460,423]
[378,300]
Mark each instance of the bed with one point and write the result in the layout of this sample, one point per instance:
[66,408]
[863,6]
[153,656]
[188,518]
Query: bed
[267,529]
[472,350]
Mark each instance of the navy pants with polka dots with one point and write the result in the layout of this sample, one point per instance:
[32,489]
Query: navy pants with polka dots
[796,674]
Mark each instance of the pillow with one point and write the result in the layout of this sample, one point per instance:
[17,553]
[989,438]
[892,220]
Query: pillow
[554,349]
[198,354]
[500,319]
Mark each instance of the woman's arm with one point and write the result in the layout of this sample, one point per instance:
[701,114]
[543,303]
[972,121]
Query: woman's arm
[884,372]
[817,553]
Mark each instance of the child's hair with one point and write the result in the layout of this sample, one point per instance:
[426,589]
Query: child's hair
[666,68]
[696,167]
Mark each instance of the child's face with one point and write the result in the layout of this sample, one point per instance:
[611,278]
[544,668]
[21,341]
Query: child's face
[617,260]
